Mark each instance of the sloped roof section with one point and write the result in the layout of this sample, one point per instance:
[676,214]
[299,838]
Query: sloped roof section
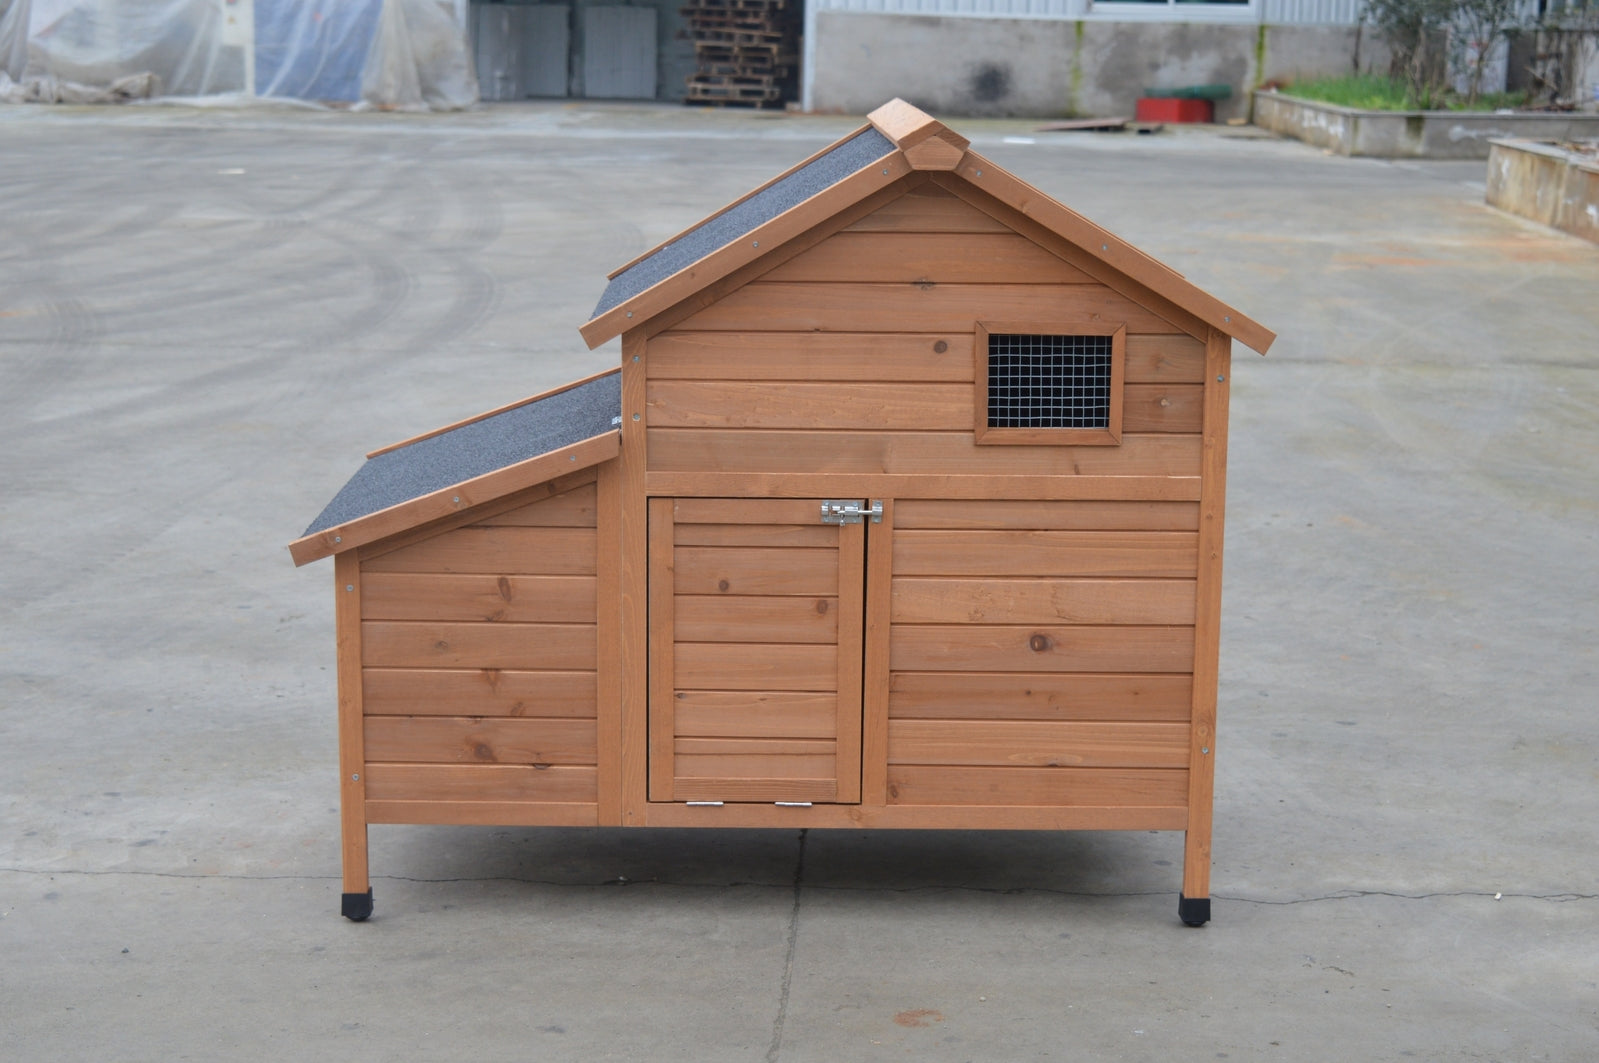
[744,217]
[900,141]
[396,482]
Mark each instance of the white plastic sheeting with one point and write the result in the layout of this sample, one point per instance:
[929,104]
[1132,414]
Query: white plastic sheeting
[393,54]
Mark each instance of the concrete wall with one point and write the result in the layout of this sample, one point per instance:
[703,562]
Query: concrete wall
[1054,67]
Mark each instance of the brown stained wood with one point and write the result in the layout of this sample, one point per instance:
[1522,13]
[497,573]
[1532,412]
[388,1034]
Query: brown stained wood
[448,502]
[1040,696]
[865,356]
[1173,359]
[497,551]
[1207,619]
[480,782]
[1041,648]
[608,643]
[928,485]
[1037,515]
[446,644]
[478,514]
[741,511]
[430,596]
[764,246]
[759,788]
[1162,407]
[488,813]
[755,714]
[726,618]
[492,413]
[1170,555]
[663,678]
[479,692]
[935,153]
[633,516]
[875,658]
[907,125]
[803,535]
[935,817]
[1002,743]
[772,452]
[467,740]
[754,766]
[756,571]
[773,306]
[756,746]
[851,620]
[855,405]
[1042,601]
[352,755]
[949,785]
[762,667]
[571,509]
[928,209]
[917,258]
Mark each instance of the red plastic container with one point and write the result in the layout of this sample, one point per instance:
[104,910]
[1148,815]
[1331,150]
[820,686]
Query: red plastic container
[1168,109]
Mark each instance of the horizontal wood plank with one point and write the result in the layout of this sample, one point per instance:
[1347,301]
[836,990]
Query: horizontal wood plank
[924,817]
[1038,515]
[928,357]
[753,766]
[473,596]
[1042,601]
[1046,553]
[492,740]
[928,209]
[1040,648]
[774,306]
[817,534]
[853,405]
[479,782]
[1039,696]
[1028,743]
[736,511]
[944,258]
[486,813]
[725,618]
[755,571]
[756,788]
[572,509]
[1162,407]
[446,644]
[754,714]
[776,451]
[1174,358]
[735,666]
[497,551]
[977,486]
[952,785]
[747,746]
[478,692]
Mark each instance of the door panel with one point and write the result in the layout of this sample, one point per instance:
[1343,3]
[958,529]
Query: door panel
[756,613]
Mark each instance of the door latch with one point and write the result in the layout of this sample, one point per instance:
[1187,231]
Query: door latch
[851,511]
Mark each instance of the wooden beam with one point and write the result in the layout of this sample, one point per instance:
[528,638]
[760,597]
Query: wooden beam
[352,732]
[907,125]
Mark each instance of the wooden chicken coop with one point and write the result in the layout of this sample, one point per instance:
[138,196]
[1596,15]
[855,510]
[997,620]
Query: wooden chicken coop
[903,510]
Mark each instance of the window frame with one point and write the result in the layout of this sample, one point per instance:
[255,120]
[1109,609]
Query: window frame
[1110,435]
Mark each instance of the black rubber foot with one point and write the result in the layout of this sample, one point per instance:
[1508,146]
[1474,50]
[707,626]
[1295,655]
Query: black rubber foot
[357,906]
[1193,911]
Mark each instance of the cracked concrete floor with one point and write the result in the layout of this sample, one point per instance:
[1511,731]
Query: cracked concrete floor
[207,317]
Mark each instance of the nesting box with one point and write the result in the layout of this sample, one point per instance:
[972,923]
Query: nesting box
[903,510]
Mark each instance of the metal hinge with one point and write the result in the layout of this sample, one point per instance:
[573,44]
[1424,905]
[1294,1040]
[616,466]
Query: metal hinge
[851,511]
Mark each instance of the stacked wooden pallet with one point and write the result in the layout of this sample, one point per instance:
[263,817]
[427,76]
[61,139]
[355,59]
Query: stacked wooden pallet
[746,51]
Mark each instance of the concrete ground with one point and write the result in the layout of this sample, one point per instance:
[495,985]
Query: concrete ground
[207,317]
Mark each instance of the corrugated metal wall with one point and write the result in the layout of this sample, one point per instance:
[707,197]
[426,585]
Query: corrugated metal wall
[1274,12]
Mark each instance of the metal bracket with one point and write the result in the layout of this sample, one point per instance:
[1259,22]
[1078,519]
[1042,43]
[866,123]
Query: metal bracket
[851,511]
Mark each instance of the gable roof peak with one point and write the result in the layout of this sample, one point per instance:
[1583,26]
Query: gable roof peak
[908,125]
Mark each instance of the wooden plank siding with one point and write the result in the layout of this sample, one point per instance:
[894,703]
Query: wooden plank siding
[479,666]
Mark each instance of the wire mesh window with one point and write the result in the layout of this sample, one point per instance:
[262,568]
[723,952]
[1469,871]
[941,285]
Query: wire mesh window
[1042,381]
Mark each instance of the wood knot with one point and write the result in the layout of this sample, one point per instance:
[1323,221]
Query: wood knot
[484,752]
[1039,643]
[924,284]
[821,605]
[504,586]
[722,585]
[940,347]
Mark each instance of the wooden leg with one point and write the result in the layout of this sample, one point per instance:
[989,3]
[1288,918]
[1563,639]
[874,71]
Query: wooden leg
[357,900]
[1193,905]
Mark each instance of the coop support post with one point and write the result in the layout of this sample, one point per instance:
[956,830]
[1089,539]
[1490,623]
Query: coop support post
[1193,906]
[356,903]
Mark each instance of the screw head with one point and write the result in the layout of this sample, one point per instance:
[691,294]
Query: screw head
[349,586]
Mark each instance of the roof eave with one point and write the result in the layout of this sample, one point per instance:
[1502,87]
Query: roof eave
[455,498]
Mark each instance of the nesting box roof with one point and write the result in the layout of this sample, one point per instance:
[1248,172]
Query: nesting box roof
[899,140]
[475,460]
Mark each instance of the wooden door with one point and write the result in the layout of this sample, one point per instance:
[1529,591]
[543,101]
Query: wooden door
[756,615]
